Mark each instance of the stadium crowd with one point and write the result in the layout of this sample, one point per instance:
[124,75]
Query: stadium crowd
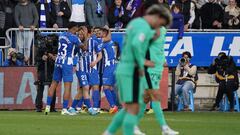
[206,14]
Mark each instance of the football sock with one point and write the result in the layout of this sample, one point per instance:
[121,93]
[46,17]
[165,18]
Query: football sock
[114,96]
[65,104]
[116,121]
[49,100]
[129,122]
[96,98]
[80,103]
[158,113]
[109,97]
[87,102]
[141,111]
[75,102]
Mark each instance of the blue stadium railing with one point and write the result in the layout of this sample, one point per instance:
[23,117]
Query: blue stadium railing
[10,33]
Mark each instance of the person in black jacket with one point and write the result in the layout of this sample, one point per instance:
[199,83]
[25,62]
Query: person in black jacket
[118,15]
[211,15]
[45,58]
[60,14]
[226,74]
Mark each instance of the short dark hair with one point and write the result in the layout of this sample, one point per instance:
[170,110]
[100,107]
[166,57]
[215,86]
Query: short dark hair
[187,53]
[161,11]
[178,6]
[72,24]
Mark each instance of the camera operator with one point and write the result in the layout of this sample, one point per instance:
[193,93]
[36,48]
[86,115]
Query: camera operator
[14,58]
[226,76]
[46,54]
[187,77]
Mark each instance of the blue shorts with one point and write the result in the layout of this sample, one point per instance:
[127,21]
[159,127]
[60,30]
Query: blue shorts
[86,79]
[64,72]
[109,75]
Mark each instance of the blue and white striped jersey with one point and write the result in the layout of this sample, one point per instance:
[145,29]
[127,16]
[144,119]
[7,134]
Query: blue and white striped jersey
[90,55]
[109,53]
[66,46]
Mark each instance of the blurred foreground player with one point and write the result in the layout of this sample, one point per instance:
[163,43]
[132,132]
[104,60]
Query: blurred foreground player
[64,66]
[130,70]
[153,77]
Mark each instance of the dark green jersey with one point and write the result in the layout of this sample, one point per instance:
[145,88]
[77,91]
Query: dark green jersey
[136,42]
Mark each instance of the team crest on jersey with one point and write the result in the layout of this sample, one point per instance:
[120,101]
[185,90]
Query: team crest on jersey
[141,37]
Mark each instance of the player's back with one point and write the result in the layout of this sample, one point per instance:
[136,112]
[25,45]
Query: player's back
[139,33]
[66,46]
[157,51]
[109,51]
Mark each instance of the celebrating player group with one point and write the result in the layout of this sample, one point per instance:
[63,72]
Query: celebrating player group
[138,72]
[89,52]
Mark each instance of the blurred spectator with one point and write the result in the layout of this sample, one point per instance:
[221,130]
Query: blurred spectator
[188,11]
[46,53]
[78,14]
[26,16]
[232,15]
[187,78]
[226,74]
[6,16]
[95,11]
[133,6]
[44,14]
[164,3]
[14,58]
[118,15]
[178,20]
[199,3]
[109,3]
[60,14]
[211,15]
[222,3]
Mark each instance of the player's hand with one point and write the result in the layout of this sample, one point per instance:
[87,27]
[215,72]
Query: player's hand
[44,57]
[55,26]
[52,56]
[186,27]
[74,69]
[149,63]
[21,28]
[129,7]
[32,28]
[157,34]
[60,13]
[93,64]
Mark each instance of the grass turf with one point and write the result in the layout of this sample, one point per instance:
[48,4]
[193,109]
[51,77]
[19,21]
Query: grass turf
[198,123]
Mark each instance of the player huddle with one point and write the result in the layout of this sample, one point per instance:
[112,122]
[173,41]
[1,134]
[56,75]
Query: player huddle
[92,54]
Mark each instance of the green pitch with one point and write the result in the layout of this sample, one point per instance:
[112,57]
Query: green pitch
[198,123]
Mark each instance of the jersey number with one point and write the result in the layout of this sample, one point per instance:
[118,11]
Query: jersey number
[62,49]
[83,77]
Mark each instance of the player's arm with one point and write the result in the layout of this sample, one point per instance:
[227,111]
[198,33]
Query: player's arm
[149,63]
[98,50]
[81,45]
[138,52]
[99,57]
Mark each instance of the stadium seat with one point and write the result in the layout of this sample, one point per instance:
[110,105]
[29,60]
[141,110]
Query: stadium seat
[224,104]
[180,102]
